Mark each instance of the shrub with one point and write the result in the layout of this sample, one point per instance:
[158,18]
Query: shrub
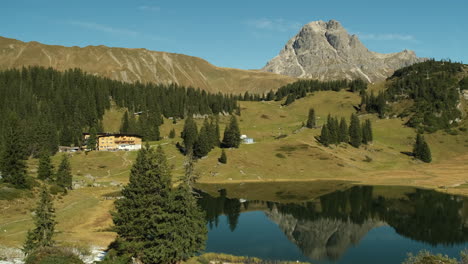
[425,257]
[53,256]
[281,156]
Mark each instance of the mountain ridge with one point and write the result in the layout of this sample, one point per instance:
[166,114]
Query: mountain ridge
[138,64]
[326,51]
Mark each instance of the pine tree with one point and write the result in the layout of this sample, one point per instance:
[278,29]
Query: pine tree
[172,133]
[270,96]
[140,214]
[44,219]
[311,119]
[190,230]
[223,157]
[64,177]
[92,139]
[344,133]
[426,155]
[190,133]
[421,149]
[13,157]
[325,136]
[153,224]
[217,133]
[45,170]
[417,146]
[355,132]
[367,132]
[202,146]
[290,99]
[211,129]
[333,130]
[232,135]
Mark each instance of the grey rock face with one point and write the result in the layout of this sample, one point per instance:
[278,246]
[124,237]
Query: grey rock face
[324,238]
[325,51]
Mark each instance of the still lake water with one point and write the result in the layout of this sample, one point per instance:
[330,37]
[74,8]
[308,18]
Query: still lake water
[356,225]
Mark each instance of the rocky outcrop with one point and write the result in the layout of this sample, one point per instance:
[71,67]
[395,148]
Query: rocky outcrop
[324,238]
[142,65]
[325,51]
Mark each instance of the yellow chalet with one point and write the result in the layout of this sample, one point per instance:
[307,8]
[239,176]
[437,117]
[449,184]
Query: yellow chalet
[115,142]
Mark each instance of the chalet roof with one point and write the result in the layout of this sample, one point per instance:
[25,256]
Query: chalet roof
[115,135]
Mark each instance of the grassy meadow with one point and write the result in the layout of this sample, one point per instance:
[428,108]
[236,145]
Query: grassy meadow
[284,154]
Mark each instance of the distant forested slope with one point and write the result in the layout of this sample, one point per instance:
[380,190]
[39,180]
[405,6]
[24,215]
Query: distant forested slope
[49,108]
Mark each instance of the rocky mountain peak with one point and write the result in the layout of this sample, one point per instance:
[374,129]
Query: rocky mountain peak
[326,51]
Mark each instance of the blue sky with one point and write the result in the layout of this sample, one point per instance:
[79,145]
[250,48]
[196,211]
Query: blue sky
[239,34]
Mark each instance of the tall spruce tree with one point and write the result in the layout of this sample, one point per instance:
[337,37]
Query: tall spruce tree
[343,133]
[325,136]
[140,214]
[421,149]
[45,169]
[367,132]
[232,134]
[63,176]
[217,133]
[13,156]
[190,133]
[355,132]
[426,155]
[44,220]
[311,122]
[333,130]
[153,224]
[202,146]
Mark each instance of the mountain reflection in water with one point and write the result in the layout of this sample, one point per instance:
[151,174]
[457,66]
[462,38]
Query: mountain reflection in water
[326,227]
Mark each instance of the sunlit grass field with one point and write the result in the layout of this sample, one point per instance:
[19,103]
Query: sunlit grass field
[284,154]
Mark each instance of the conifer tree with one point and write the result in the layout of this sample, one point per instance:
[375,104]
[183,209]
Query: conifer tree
[333,130]
[417,146]
[44,219]
[153,224]
[64,177]
[223,157]
[311,123]
[426,155]
[217,133]
[190,133]
[189,229]
[45,170]
[367,132]
[13,158]
[270,96]
[355,132]
[421,149]
[232,135]
[172,133]
[203,144]
[290,99]
[140,213]
[344,133]
[325,136]
[211,129]
[92,139]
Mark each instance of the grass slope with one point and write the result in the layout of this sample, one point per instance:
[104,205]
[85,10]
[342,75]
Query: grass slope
[285,163]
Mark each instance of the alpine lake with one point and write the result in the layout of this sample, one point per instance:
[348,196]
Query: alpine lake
[332,222]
